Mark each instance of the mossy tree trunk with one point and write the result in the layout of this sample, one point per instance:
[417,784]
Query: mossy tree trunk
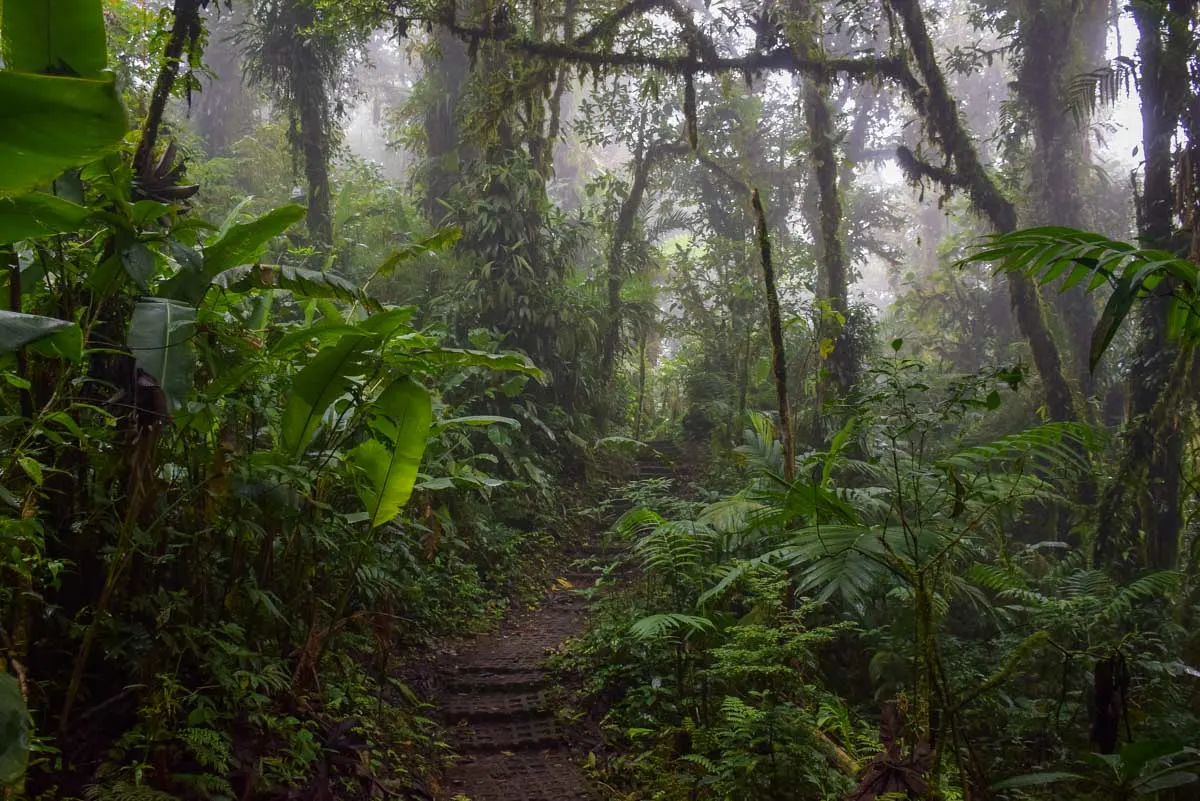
[839,372]
[940,115]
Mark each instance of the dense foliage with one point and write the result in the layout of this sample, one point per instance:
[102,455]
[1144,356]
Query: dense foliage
[330,327]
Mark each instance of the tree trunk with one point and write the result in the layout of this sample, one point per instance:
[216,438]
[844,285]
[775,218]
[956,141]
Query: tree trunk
[185,30]
[1060,40]
[626,219]
[775,326]
[641,396]
[313,110]
[940,114]
[1154,441]
[439,171]
[839,374]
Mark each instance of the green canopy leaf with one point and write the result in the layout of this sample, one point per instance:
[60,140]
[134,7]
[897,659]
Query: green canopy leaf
[235,246]
[298,281]
[18,330]
[38,215]
[55,37]
[49,124]
[160,338]
[403,415]
[245,243]
[14,732]
[326,378]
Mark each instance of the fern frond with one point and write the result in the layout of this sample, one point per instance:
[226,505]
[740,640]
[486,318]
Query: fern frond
[1152,585]
[1054,447]
[636,522]
[655,627]
[1101,88]
[1088,584]
[1048,253]
[995,578]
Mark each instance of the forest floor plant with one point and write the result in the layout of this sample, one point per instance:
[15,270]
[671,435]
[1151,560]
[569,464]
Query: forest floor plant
[924,572]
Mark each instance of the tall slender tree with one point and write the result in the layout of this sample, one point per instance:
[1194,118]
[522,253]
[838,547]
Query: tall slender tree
[300,58]
[840,371]
[1145,495]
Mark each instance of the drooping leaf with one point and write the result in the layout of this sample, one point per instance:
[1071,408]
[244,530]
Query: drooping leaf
[140,264]
[49,124]
[14,732]
[326,378]
[671,623]
[55,37]
[403,415]
[480,420]
[440,241]
[298,281]
[500,362]
[236,246]
[38,215]
[1035,780]
[245,243]
[18,330]
[160,338]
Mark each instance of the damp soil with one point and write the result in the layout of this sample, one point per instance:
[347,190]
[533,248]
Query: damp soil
[496,699]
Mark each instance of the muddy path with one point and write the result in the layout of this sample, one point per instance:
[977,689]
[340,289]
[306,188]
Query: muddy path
[496,694]
[495,699]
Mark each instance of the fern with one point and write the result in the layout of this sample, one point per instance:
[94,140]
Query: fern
[658,626]
[1048,253]
[1153,585]
[1057,448]
[1101,88]
[126,791]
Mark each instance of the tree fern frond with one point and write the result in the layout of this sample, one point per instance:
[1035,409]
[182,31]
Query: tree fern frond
[995,578]
[1048,253]
[1101,88]
[670,624]
[636,522]
[1056,447]
[1152,585]
[1088,584]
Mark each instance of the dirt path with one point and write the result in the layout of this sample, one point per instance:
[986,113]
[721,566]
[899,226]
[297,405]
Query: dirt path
[494,697]
[494,693]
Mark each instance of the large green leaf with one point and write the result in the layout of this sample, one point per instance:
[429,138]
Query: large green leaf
[1035,780]
[443,239]
[245,243]
[14,732]
[49,124]
[38,215]
[18,330]
[325,379]
[403,415]
[160,338]
[55,37]
[298,281]
[237,245]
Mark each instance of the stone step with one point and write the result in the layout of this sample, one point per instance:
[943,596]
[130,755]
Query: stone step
[523,734]
[550,776]
[477,707]
[496,681]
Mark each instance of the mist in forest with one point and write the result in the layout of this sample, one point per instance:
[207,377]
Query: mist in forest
[639,400]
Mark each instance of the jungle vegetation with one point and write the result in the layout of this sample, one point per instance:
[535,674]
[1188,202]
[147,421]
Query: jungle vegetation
[330,325]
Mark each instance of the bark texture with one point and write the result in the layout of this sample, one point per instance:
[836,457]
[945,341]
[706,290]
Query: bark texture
[775,326]
[940,113]
[1145,494]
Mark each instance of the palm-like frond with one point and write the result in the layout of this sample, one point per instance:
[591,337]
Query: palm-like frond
[1101,88]
[1054,448]
[655,627]
[1048,253]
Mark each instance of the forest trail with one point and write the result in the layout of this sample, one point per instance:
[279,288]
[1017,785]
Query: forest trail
[495,699]
[496,691]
